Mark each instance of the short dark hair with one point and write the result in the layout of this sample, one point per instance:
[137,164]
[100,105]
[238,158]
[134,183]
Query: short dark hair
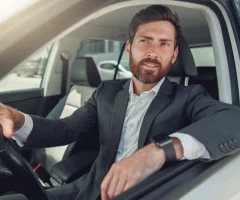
[151,14]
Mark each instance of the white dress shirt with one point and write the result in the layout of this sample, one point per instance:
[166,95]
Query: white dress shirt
[136,110]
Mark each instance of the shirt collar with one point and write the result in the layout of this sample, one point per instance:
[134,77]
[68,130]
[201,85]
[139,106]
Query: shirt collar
[155,89]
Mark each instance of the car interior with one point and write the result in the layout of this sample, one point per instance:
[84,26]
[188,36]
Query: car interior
[213,68]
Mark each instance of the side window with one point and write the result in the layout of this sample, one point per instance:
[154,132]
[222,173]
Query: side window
[203,56]
[105,54]
[124,68]
[28,75]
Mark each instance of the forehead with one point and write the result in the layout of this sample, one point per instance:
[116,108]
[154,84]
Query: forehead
[154,29]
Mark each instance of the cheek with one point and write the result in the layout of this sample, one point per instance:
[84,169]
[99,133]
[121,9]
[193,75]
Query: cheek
[140,49]
[167,57]
[137,54]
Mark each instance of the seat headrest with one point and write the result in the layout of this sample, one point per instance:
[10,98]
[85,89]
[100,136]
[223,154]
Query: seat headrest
[184,64]
[85,72]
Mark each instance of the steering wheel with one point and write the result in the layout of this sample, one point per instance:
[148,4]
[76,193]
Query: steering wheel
[21,169]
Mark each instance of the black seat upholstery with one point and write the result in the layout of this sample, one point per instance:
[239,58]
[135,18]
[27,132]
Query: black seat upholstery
[84,72]
[184,65]
[207,77]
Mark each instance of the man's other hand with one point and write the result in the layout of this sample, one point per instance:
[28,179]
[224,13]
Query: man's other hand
[10,120]
[128,172]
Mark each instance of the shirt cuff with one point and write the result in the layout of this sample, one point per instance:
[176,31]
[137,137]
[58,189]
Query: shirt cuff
[192,148]
[22,134]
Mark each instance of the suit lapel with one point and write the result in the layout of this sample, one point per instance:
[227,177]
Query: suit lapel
[162,99]
[118,117]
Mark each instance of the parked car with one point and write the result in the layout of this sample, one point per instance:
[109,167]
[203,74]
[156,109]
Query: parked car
[107,70]
[205,23]
[27,70]
[31,69]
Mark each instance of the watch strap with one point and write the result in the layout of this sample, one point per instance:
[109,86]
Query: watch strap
[166,143]
[169,150]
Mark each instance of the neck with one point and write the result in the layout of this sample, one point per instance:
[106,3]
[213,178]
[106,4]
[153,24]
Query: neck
[139,87]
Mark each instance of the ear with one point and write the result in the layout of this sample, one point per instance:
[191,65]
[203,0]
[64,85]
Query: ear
[128,48]
[175,54]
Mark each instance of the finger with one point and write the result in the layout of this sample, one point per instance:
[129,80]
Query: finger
[7,128]
[105,185]
[120,186]
[6,121]
[104,196]
[112,186]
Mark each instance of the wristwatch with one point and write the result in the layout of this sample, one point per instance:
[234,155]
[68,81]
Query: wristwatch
[166,143]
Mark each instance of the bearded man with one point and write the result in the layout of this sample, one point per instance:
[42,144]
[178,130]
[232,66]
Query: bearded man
[141,124]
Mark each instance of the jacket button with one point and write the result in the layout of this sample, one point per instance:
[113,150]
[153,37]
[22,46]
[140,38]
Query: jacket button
[235,142]
[227,146]
[222,148]
[231,145]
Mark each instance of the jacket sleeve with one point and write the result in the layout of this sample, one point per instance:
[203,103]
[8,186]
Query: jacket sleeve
[215,124]
[82,124]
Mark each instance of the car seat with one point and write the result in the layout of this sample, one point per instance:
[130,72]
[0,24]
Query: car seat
[184,66]
[85,78]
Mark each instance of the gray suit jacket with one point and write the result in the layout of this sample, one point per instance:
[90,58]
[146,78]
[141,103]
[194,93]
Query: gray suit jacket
[175,108]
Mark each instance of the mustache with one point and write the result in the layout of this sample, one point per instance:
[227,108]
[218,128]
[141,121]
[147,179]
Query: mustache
[149,60]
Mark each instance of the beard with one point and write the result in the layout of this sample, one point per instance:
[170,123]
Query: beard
[148,76]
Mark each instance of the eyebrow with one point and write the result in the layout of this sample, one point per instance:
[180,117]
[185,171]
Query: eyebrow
[161,39]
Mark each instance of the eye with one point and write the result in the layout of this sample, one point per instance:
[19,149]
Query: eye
[165,44]
[143,41]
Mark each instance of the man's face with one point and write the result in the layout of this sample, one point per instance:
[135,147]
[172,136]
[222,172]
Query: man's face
[152,51]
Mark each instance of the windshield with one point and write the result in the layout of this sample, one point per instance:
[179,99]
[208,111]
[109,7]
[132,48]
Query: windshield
[10,8]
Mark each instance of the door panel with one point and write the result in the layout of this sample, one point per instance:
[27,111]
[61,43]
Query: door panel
[26,101]
[30,101]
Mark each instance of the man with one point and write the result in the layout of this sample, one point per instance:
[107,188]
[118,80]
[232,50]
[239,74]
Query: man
[126,116]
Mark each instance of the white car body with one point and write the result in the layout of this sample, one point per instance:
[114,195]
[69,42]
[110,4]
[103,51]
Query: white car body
[107,74]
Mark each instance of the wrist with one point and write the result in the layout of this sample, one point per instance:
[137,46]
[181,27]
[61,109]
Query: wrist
[178,148]
[18,119]
[159,154]
[171,146]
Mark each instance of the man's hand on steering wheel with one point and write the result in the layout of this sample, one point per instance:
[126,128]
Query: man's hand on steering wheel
[10,120]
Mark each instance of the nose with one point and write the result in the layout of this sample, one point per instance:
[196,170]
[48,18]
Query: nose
[152,53]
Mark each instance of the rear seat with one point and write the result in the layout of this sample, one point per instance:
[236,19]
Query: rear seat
[207,77]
